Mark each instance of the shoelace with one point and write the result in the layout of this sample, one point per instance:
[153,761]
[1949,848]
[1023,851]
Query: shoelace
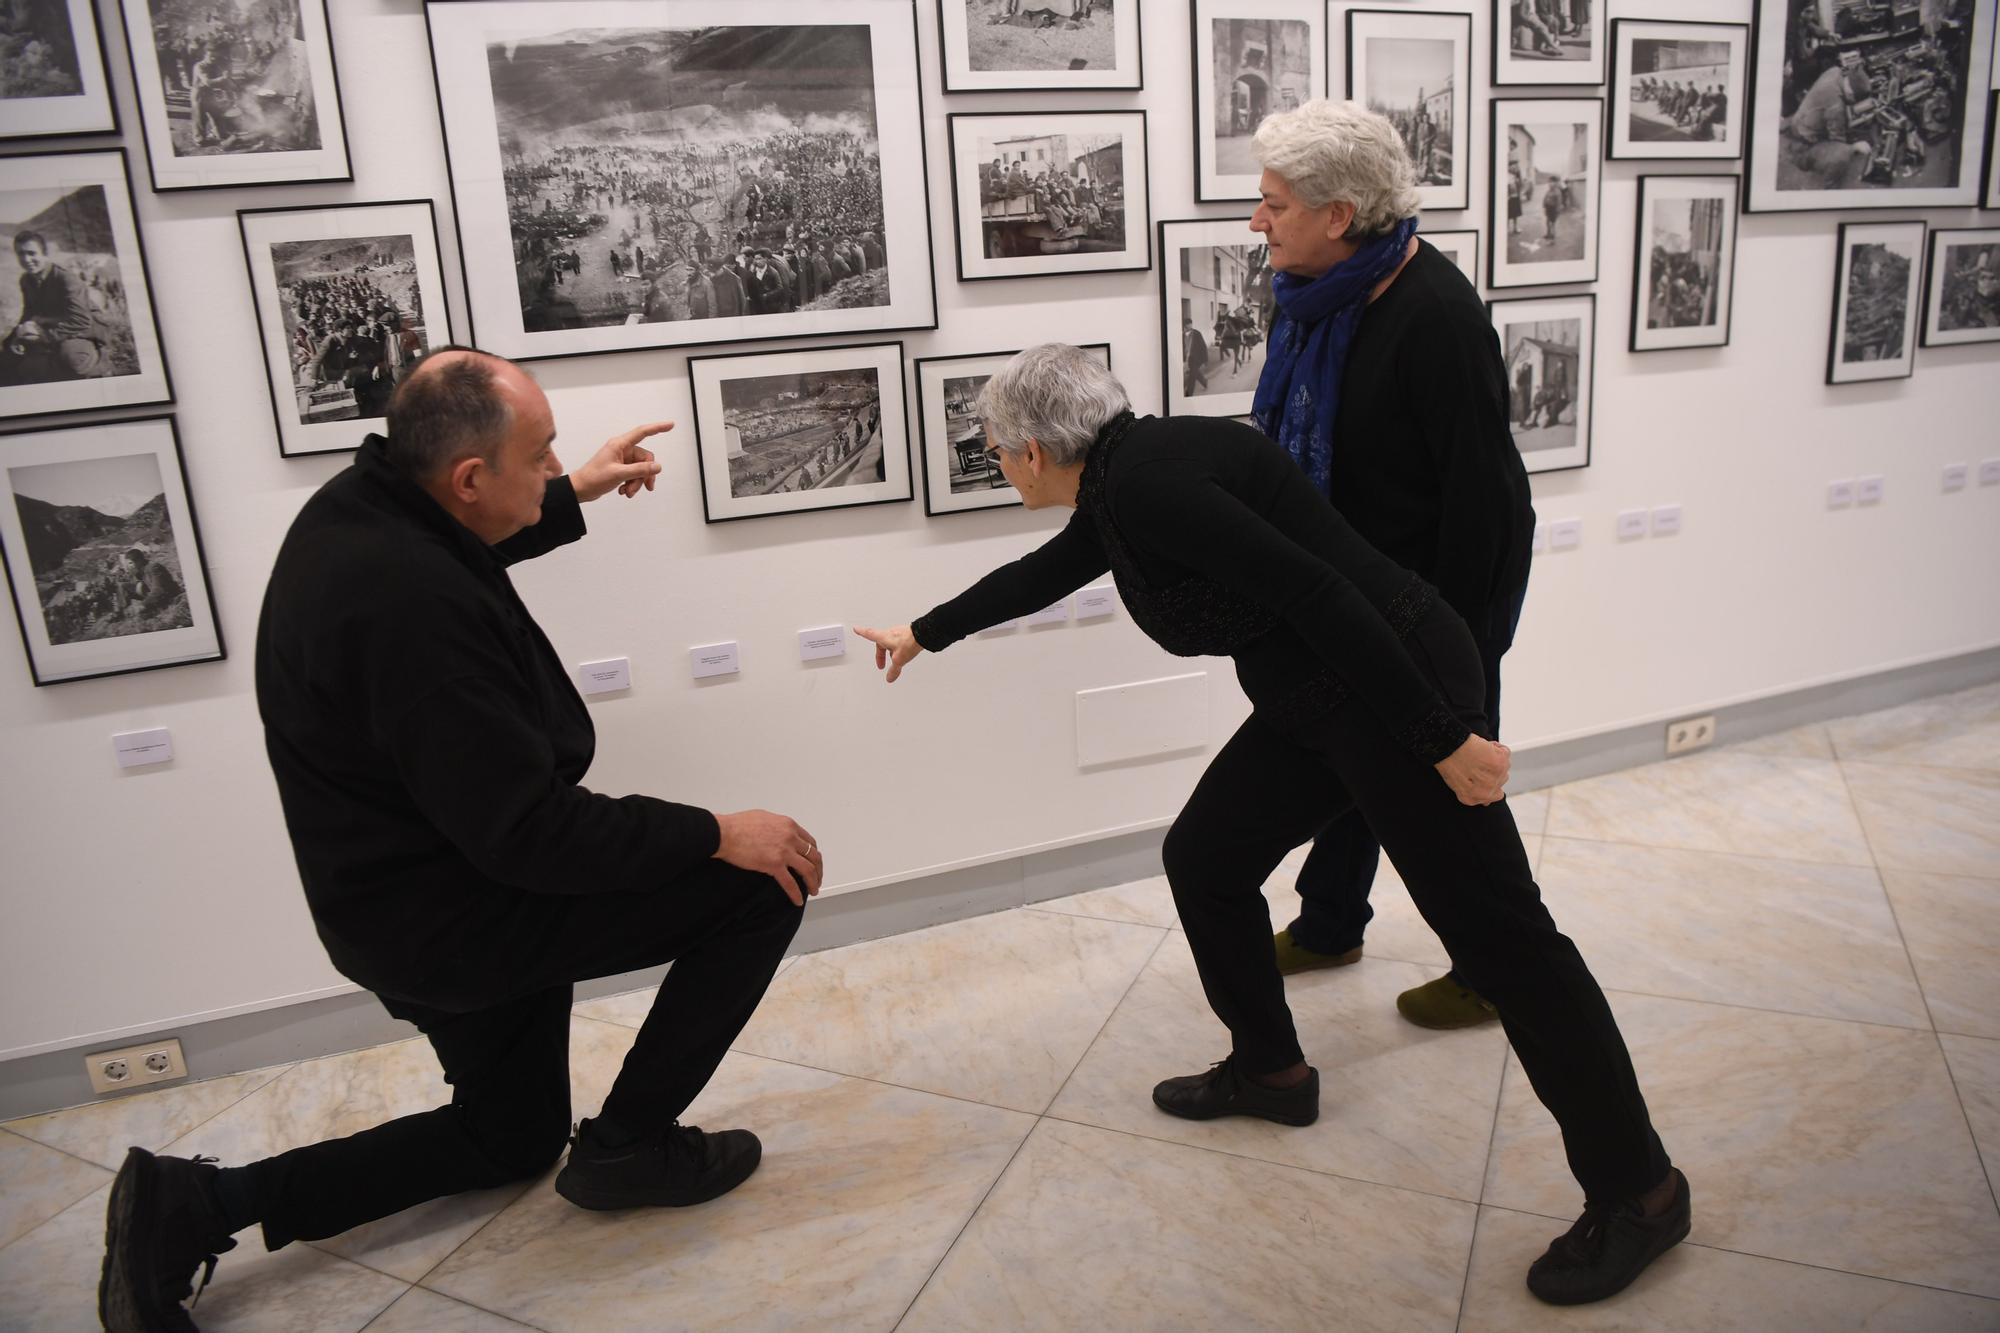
[1584,1241]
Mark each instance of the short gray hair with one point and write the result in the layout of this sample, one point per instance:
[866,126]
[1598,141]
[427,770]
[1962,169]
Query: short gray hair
[1341,151]
[1057,395]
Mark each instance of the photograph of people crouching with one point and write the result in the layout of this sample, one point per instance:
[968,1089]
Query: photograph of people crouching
[1677,89]
[1039,45]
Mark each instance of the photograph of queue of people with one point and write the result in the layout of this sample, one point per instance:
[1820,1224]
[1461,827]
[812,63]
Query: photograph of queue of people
[1677,89]
[354,322]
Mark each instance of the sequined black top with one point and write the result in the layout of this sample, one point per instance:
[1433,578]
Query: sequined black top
[1221,547]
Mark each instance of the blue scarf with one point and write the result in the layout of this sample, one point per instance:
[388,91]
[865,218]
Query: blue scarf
[1298,394]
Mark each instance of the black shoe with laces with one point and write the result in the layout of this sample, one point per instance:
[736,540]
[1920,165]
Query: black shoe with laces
[1607,1249]
[1224,1090]
[672,1169]
[162,1225]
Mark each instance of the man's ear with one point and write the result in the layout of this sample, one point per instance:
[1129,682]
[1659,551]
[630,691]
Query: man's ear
[464,478]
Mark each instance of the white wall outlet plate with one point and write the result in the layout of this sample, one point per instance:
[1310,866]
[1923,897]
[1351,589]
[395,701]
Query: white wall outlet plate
[1099,599]
[137,749]
[1989,472]
[1955,476]
[1666,520]
[1840,494]
[1868,490]
[818,644]
[1690,733]
[141,1066]
[714,659]
[613,673]
[1049,615]
[1631,524]
[1565,534]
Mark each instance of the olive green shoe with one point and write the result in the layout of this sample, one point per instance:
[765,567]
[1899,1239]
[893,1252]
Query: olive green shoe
[1445,1003]
[1292,958]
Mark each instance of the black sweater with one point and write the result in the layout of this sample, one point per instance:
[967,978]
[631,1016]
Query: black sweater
[426,739]
[1220,545]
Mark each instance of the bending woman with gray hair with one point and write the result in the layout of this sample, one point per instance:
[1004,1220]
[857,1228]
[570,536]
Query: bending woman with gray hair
[1366,691]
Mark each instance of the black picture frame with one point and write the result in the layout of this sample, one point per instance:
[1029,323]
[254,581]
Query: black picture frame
[1232,285]
[1904,365]
[1133,256]
[1724,188]
[1470,268]
[1617,97]
[201,630]
[1456,196]
[711,439]
[151,381]
[959,78]
[235,171]
[933,506]
[1211,183]
[427,275]
[1932,332]
[1989,195]
[1500,268]
[1589,72]
[1555,455]
[91,111]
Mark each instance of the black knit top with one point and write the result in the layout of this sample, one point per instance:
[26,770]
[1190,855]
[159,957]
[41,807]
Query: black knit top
[1220,546]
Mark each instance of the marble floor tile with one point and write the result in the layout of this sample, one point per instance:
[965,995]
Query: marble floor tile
[1793,935]
[997,1009]
[48,1283]
[1531,811]
[100,1132]
[1821,1141]
[1809,742]
[1952,928]
[1723,801]
[1959,730]
[1975,1072]
[420,1311]
[1094,1231]
[1692,1289]
[1945,821]
[1398,1105]
[861,1190]
[36,1183]
[629,1008]
[1142,902]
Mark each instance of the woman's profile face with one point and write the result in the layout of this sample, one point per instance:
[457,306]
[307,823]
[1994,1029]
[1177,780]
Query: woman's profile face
[1299,236]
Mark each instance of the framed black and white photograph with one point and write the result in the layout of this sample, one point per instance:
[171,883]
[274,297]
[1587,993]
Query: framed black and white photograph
[1962,287]
[1251,58]
[1548,41]
[102,553]
[75,300]
[1677,89]
[52,80]
[619,184]
[1684,262]
[1416,69]
[992,46]
[959,474]
[1048,193]
[1215,311]
[787,432]
[1549,344]
[1869,104]
[1460,247]
[236,92]
[1877,277]
[349,300]
[1546,182]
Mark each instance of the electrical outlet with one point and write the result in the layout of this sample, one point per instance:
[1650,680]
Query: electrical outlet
[1989,472]
[1666,520]
[136,1066]
[1840,494]
[1868,490]
[1690,733]
[1955,475]
[1631,524]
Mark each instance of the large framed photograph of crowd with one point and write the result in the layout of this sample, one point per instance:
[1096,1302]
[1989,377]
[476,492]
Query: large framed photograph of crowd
[1866,105]
[52,80]
[788,432]
[1549,345]
[1677,89]
[1049,193]
[1416,69]
[959,474]
[75,298]
[1877,276]
[1216,309]
[1546,182]
[1251,58]
[102,553]
[1684,262]
[629,175]
[349,299]
[1046,46]
[1548,42]
[237,93]
[1461,248]
[1962,287]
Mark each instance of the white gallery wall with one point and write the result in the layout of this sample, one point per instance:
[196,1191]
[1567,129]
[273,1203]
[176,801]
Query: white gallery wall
[137,900]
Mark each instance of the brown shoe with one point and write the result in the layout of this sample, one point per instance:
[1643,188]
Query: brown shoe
[1295,958]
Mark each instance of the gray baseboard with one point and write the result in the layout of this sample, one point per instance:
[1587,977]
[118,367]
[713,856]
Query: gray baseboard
[34,1084]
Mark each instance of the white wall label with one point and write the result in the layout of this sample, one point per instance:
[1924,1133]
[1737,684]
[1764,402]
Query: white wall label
[1868,490]
[1099,599]
[1565,534]
[1839,494]
[1955,475]
[1004,627]
[613,673]
[826,641]
[1049,615]
[136,749]
[1666,520]
[1631,524]
[1989,472]
[713,659]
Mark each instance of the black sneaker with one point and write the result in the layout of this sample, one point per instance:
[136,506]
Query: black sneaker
[1608,1248]
[162,1224]
[672,1169]
[1225,1091]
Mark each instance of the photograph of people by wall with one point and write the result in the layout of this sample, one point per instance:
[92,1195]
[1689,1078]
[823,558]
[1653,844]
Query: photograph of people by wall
[1549,345]
[1677,89]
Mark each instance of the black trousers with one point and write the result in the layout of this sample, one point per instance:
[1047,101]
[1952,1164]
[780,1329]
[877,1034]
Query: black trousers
[1270,789]
[507,1059]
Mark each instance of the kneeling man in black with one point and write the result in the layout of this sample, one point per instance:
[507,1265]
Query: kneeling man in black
[1367,692]
[429,748]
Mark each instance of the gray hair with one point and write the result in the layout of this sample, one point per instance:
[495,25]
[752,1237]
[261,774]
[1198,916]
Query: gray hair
[1057,395]
[448,408]
[1341,151]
